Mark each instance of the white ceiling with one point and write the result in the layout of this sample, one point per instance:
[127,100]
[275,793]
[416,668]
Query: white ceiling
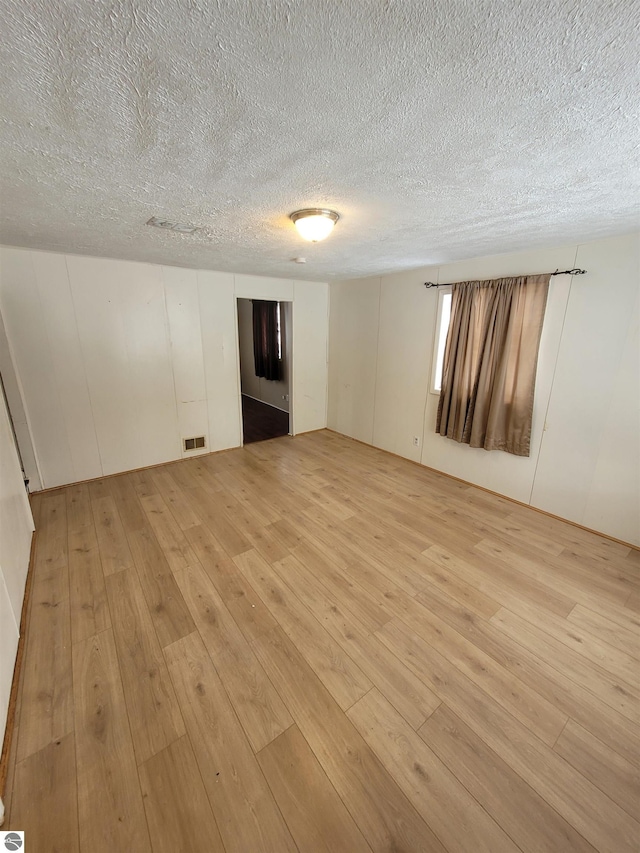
[438,129]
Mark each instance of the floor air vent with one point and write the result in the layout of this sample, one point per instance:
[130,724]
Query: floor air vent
[194,443]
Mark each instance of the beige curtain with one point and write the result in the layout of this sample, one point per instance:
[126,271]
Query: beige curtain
[490,362]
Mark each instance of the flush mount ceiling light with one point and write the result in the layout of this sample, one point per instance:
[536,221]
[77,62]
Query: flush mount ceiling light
[314,223]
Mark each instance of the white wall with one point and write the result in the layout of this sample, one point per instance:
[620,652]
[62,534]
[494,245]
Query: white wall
[589,469]
[585,467]
[310,337]
[275,393]
[118,361]
[16,527]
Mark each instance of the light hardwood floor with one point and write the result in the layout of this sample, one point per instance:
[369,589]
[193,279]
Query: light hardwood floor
[308,644]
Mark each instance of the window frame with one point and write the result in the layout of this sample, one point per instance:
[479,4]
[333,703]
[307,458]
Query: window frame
[443,291]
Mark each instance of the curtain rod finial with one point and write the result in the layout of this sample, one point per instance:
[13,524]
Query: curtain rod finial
[574,271]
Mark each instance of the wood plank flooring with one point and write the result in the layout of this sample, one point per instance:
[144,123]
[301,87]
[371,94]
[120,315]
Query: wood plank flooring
[309,644]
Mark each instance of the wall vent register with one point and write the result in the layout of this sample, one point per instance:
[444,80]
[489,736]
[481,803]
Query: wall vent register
[194,443]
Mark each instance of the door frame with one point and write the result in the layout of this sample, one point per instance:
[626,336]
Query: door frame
[290,349]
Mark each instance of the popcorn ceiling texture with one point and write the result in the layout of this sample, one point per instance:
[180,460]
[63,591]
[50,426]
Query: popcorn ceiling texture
[439,130]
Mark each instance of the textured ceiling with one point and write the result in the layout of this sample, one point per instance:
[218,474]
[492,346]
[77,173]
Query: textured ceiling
[439,129]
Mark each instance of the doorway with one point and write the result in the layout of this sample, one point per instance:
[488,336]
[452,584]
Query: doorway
[265,387]
[10,391]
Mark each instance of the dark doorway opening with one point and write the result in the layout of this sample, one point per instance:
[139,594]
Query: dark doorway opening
[261,421]
[264,383]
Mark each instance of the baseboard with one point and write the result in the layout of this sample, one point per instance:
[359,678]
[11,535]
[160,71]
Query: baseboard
[134,470]
[264,402]
[382,450]
[491,492]
[155,465]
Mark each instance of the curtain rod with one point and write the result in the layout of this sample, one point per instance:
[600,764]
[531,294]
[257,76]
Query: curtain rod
[574,271]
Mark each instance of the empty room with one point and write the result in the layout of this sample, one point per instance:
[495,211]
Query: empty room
[319,426]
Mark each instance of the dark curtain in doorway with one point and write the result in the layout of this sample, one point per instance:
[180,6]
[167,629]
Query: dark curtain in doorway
[265,339]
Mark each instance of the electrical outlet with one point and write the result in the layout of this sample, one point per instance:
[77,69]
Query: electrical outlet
[416,441]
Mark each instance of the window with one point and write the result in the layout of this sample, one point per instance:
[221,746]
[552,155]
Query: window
[442,327]
[267,339]
[492,352]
